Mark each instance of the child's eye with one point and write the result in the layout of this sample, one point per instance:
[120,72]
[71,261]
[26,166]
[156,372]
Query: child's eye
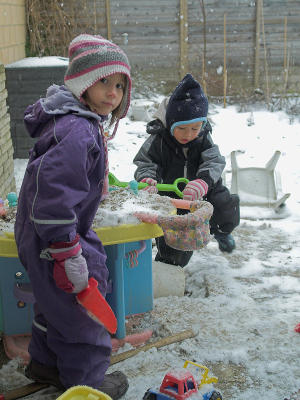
[120,86]
[104,80]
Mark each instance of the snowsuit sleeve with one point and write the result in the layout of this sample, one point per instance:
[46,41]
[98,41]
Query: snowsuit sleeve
[148,165]
[62,180]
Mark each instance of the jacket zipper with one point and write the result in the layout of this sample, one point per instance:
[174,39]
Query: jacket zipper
[185,170]
[185,163]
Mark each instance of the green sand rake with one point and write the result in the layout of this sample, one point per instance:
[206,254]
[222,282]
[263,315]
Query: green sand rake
[161,187]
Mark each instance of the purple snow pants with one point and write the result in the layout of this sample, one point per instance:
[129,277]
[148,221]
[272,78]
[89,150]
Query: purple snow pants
[63,335]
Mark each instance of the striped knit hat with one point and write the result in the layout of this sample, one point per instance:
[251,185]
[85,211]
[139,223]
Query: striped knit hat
[91,58]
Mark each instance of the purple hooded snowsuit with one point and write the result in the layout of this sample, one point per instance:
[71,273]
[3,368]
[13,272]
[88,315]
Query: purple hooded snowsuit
[59,197]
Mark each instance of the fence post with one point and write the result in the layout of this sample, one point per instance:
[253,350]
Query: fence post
[257,40]
[183,17]
[202,6]
[95,18]
[265,54]
[225,67]
[285,58]
[108,25]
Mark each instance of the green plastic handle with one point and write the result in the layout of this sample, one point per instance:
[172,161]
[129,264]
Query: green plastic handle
[161,187]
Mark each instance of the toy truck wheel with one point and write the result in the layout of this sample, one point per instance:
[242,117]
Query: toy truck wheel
[215,396]
[149,396]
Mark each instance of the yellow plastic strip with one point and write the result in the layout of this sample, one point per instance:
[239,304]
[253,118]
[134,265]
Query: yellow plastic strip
[128,233]
[108,235]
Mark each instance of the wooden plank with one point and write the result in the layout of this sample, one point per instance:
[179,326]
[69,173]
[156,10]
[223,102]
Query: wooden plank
[224,65]
[108,23]
[257,41]
[247,21]
[183,65]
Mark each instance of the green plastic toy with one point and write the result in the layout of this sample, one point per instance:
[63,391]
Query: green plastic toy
[161,187]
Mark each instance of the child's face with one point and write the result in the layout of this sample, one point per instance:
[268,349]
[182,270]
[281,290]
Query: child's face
[106,94]
[186,133]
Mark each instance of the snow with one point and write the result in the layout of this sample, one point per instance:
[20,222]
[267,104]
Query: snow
[121,204]
[31,62]
[242,306]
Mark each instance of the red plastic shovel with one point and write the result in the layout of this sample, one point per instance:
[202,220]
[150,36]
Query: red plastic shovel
[97,307]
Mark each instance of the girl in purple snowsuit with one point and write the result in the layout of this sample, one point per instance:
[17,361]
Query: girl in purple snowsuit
[65,179]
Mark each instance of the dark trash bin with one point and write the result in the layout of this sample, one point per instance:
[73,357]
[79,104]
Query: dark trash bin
[26,81]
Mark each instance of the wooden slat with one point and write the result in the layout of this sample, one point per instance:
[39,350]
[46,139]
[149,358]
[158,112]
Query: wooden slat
[257,41]
[107,12]
[224,66]
[183,38]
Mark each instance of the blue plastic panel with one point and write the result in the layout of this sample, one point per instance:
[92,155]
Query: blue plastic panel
[16,315]
[132,291]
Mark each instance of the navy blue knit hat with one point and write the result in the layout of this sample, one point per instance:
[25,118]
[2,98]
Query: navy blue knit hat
[187,104]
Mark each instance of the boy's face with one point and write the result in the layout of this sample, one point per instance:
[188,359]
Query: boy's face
[186,133]
[106,94]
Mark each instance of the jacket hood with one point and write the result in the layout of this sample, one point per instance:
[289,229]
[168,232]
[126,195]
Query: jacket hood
[156,127]
[58,101]
[160,113]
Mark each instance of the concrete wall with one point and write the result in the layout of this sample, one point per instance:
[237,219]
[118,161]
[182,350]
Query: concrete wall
[13,30]
[7,180]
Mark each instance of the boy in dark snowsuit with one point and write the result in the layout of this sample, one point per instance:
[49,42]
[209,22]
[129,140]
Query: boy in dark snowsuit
[180,145]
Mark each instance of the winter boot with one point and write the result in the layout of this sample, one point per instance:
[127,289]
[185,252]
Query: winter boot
[168,255]
[42,373]
[225,240]
[114,384]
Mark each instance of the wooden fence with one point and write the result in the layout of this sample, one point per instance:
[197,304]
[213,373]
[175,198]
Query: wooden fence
[231,46]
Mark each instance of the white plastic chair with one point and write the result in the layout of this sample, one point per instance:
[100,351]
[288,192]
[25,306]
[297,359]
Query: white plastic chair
[258,186]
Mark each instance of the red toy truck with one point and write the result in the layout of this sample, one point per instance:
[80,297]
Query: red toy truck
[180,384]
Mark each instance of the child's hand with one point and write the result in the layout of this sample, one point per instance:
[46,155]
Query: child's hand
[70,268]
[152,185]
[146,217]
[195,190]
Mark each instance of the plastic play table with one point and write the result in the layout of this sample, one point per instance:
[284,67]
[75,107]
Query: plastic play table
[129,260]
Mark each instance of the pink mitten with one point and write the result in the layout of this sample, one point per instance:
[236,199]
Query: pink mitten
[151,188]
[195,190]
[70,268]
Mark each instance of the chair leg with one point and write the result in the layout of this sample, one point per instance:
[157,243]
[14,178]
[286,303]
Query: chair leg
[234,164]
[270,166]
[280,201]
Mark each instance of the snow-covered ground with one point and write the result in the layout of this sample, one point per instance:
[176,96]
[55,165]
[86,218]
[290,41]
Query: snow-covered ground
[244,306]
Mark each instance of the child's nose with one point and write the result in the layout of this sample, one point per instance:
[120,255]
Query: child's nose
[112,90]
